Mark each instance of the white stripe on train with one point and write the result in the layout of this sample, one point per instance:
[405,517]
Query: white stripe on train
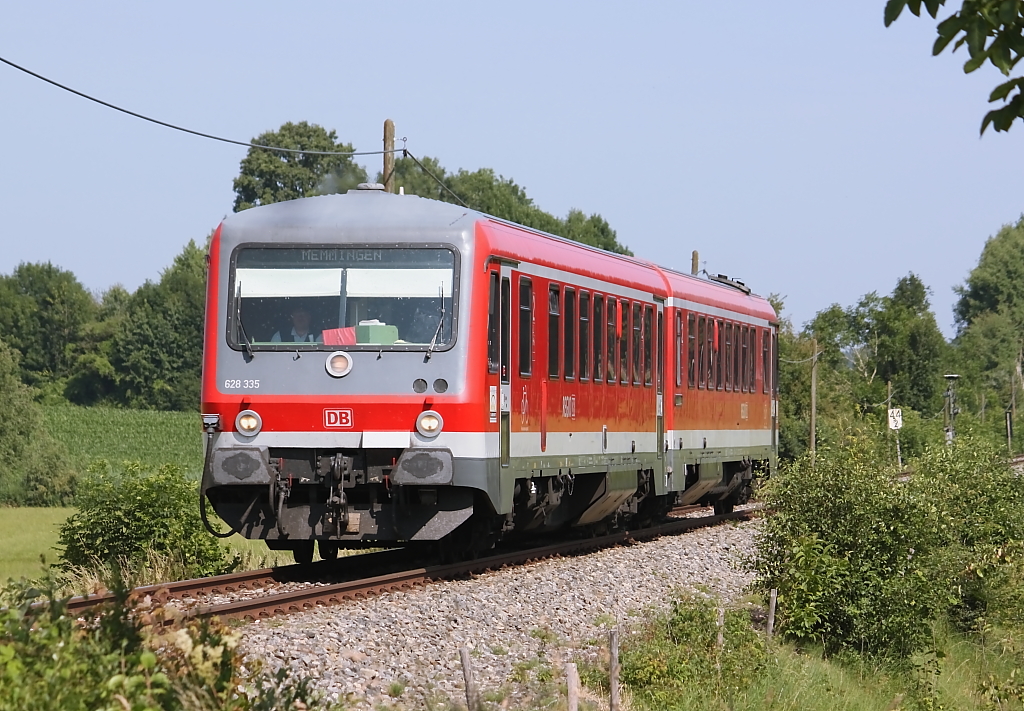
[484,445]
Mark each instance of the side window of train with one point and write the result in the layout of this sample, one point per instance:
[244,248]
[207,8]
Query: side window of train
[765,355]
[775,362]
[660,351]
[719,352]
[744,370]
[598,338]
[506,329]
[525,326]
[702,359]
[753,364]
[584,336]
[611,340]
[648,345]
[709,364]
[569,339]
[727,360]
[679,348]
[691,350]
[554,330]
[637,346]
[493,326]
[623,341]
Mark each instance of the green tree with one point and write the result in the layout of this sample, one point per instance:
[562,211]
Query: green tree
[157,350]
[884,339]
[35,468]
[267,177]
[993,31]
[93,378]
[43,312]
[996,284]
[494,194]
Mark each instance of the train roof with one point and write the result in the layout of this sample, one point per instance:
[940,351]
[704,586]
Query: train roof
[384,217]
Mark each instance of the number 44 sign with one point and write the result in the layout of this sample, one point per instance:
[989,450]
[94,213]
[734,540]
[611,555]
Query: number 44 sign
[895,418]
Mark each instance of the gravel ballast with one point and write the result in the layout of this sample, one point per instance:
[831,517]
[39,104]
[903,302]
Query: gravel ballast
[554,610]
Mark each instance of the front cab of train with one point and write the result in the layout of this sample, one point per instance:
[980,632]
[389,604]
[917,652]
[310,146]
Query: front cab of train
[333,386]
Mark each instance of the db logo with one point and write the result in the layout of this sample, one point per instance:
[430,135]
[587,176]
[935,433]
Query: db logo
[338,418]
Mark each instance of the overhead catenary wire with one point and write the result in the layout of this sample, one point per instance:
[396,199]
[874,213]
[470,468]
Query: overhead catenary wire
[805,360]
[436,179]
[247,144]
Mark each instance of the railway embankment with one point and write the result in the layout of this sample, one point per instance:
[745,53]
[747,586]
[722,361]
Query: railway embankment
[521,623]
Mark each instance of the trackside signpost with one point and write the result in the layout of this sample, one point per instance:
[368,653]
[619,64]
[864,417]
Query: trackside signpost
[895,424]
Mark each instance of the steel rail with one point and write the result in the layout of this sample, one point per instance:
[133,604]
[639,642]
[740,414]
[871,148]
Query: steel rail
[246,580]
[292,601]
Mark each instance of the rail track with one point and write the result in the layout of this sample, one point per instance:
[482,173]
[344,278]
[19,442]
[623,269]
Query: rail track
[363,585]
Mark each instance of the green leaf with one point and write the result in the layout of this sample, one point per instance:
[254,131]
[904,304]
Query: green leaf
[893,8]
[1004,89]
[1008,12]
[933,6]
[941,43]
[977,32]
[974,62]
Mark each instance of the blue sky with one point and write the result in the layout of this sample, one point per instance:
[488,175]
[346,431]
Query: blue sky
[800,146]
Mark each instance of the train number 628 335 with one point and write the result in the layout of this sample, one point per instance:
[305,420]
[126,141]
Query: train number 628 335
[241,384]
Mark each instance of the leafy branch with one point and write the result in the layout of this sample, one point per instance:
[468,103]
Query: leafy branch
[993,31]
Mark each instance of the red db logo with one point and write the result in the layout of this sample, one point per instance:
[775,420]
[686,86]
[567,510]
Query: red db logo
[338,418]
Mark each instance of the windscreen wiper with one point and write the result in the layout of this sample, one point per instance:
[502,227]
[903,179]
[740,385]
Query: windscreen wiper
[438,330]
[238,320]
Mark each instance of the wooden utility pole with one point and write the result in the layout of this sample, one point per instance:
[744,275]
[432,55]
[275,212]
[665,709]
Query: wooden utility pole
[888,398]
[389,156]
[814,397]
[572,682]
[472,698]
[613,670]
[694,263]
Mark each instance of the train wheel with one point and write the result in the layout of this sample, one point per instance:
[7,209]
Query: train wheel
[303,551]
[724,506]
[328,550]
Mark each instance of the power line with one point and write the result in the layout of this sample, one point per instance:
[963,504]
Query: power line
[189,130]
[436,179]
[404,151]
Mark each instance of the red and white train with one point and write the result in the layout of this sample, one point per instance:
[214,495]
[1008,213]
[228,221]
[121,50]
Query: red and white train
[383,369]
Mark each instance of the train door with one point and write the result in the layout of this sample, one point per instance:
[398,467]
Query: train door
[505,373]
[499,349]
[659,365]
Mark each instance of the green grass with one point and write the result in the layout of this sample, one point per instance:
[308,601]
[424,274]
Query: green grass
[25,534]
[117,435]
[28,532]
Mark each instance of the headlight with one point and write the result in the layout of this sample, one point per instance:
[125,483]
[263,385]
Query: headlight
[429,423]
[339,364]
[248,423]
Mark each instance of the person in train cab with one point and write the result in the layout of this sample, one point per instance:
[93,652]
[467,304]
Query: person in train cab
[300,331]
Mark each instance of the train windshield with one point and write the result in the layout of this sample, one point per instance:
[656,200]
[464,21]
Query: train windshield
[330,297]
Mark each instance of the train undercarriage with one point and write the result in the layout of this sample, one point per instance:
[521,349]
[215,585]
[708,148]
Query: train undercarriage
[300,499]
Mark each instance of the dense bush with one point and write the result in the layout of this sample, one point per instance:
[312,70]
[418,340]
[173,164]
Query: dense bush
[866,559]
[48,661]
[123,516]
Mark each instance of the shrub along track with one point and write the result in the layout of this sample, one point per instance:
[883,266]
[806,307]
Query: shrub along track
[362,575]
